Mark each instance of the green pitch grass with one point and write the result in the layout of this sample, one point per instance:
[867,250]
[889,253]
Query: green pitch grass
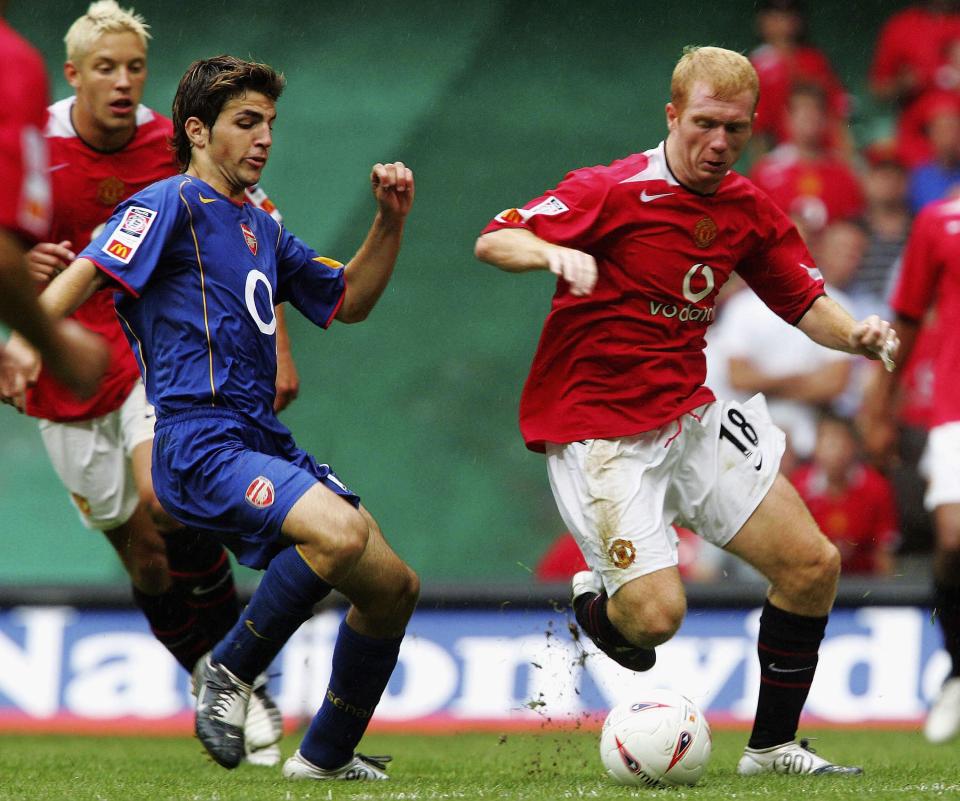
[534,767]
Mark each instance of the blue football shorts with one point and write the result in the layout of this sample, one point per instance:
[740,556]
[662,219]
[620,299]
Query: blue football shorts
[216,471]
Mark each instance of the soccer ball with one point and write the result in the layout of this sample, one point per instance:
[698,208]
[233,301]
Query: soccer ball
[660,738]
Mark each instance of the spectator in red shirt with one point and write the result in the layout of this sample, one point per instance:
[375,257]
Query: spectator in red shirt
[802,176]
[851,501]
[939,176]
[917,66]
[912,49]
[785,59]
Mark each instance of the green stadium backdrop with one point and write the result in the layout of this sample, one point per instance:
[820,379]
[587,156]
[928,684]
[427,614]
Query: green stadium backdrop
[490,103]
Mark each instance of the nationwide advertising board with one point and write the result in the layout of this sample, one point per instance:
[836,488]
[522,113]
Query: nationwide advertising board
[68,669]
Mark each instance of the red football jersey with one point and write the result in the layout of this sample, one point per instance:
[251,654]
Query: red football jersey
[629,357]
[861,521]
[930,276]
[87,185]
[817,192]
[25,199]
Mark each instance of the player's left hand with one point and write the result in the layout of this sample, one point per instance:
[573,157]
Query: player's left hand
[876,339]
[393,189]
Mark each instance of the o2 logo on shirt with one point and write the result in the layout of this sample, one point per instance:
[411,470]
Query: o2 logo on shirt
[255,277]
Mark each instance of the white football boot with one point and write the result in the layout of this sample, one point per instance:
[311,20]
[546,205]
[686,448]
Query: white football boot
[943,719]
[790,759]
[263,726]
[359,768]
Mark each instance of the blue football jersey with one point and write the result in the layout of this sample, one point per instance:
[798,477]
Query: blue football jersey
[200,275]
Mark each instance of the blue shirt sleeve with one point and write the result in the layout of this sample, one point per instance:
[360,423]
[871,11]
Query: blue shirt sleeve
[131,243]
[313,283]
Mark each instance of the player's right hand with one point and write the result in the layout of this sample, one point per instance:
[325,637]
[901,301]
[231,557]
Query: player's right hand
[19,368]
[577,268]
[46,260]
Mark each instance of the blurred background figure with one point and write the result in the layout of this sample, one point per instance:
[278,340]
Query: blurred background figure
[850,500]
[938,176]
[886,220]
[916,57]
[804,176]
[784,59]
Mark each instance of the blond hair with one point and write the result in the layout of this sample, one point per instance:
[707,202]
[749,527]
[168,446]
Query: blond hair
[726,72]
[103,16]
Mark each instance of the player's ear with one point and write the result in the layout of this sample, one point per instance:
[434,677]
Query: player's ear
[71,73]
[671,111]
[197,132]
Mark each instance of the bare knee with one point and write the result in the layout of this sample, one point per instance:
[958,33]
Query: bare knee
[158,515]
[334,553]
[405,594]
[142,551]
[649,623]
[812,577]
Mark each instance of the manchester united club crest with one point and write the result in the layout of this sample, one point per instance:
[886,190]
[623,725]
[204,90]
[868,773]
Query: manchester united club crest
[260,493]
[704,232]
[110,191]
[622,553]
[250,238]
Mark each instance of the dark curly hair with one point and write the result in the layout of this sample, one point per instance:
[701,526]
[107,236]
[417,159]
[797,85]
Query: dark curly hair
[206,87]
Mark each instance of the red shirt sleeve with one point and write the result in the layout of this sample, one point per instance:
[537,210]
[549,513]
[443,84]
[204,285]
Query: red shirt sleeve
[916,285]
[25,199]
[781,270]
[568,215]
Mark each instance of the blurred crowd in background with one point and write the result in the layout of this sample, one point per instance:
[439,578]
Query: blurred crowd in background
[854,206]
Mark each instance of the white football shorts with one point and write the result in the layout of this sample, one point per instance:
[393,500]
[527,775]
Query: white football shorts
[941,465]
[708,471]
[92,459]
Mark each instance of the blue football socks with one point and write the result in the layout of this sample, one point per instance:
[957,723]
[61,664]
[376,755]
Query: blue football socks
[361,669]
[281,603]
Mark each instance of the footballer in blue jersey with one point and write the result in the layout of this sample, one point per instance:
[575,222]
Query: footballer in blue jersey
[199,272]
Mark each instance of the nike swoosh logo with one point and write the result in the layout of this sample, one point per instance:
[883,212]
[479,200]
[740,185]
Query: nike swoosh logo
[759,464]
[776,669]
[204,590]
[58,167]
[647,198]
[207,199]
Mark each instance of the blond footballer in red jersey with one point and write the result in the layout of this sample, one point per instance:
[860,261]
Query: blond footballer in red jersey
[930,279]
[615,396]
